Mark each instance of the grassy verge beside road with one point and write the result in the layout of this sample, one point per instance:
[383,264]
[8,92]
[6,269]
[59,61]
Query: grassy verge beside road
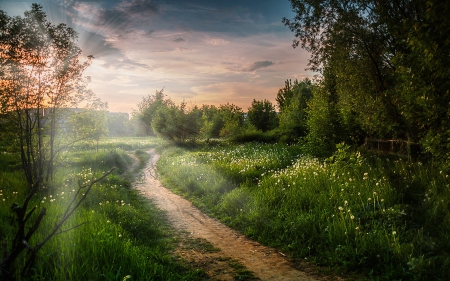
[383,216]
[119,235]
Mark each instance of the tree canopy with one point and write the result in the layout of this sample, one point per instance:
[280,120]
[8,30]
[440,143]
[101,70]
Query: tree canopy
[388,61]
[40,72]
[262,115]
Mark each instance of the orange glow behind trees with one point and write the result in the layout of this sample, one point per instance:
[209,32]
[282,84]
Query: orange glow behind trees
[40,71]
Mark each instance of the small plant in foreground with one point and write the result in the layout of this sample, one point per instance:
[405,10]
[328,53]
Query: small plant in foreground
[25,233]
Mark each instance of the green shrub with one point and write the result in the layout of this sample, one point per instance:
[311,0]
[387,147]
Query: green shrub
[253,136]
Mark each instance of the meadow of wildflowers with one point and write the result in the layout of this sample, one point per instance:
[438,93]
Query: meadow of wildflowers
[115,234]
[381,215]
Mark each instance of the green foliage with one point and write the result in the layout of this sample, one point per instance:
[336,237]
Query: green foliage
[123,143]
[422,71]
[104,159]
[233,119]
[117,233]
[292,101]
[324,129]
[215,170]
[175,124]
[147,110]
[88,124]
[249,135]
[167,120]
[262,115]
[41,72]
[9,161]
[387,217]
[211,122]
[119,125]
[388,63]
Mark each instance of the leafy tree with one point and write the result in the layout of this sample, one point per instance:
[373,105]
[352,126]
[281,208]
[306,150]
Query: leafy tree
[262,115]
[119,125]
[292,91]
[193,121]
[211,122]
[90,123]
[147,109]
[176,123]
[423,87]
[324,122]
[233,119]
[292,103]
[390,62]
[165,122]
[40,72]
[285,95]
[349,41]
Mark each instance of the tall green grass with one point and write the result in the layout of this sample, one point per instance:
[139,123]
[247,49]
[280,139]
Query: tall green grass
[383,216]
[116,233]
[122,143]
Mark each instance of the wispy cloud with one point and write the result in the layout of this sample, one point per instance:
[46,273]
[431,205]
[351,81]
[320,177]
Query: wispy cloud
[113,18]
[203,51]
[217,41]
[126,15]
[139,7]
[257,65]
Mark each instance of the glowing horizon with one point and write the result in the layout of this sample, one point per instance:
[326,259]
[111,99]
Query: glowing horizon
[201,51]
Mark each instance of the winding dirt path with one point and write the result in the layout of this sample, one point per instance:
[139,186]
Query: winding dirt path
[265,263]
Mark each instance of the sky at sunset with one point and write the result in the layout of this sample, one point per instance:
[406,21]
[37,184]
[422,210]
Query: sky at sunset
[200,51]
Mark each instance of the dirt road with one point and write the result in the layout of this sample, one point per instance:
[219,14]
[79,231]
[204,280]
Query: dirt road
[265,263]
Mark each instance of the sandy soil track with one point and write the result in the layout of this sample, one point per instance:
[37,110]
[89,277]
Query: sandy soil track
[264,262]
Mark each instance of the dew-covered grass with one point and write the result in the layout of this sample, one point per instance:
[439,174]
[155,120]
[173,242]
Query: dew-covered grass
[386,217]
[116,233]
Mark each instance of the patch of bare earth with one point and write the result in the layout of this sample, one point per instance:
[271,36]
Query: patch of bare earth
[223,253]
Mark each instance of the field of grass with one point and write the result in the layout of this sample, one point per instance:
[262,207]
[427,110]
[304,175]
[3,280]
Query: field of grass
[384,217]
[119,234]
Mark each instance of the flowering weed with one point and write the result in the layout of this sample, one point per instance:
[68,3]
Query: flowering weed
[387,216]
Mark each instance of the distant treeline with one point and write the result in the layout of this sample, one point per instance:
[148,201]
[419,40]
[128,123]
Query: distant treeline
[383,74]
